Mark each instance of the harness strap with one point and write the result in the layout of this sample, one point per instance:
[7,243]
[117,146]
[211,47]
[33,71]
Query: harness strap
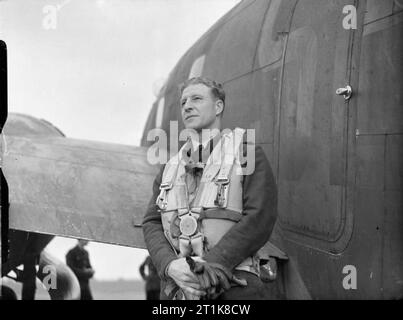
[219,213]
[231,147]
[166,185]
[169,177]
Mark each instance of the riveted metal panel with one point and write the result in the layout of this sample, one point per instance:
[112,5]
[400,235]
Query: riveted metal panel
[394,163]
[313,126]
[392,285]
[397,6]
[265,100]
[239,109]
[378,9]
[381,81]
[272,36]
[370,162]
[233,53]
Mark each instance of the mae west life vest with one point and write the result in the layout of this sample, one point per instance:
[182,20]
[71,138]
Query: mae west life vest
[194,229]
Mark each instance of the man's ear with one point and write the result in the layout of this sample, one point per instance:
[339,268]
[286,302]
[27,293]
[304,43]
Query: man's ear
[219,107]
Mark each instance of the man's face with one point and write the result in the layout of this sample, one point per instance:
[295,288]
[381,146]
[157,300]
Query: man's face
[198,107]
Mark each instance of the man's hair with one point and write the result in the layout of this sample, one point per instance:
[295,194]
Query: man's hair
[216,88]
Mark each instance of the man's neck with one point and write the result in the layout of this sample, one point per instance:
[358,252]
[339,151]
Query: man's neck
[205,135]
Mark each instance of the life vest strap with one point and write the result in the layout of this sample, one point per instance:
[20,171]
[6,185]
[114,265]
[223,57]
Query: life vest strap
[219,213]
[221,199]
[167,183]
[231,147]
[161,201]
[191,245]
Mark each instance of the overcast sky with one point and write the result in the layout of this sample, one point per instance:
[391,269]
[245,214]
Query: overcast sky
[89,67]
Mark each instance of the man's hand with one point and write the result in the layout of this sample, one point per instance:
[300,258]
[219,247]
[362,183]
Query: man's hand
[213,277]
[180,272]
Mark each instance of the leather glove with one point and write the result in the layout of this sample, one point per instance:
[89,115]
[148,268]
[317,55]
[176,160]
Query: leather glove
[205,273]
[213,277]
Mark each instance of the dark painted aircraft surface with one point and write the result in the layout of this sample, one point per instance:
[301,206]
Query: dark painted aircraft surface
[337,159]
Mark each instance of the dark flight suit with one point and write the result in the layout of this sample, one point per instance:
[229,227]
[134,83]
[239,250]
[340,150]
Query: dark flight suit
[29,278]
[244,239]
[152,279]
[78,260]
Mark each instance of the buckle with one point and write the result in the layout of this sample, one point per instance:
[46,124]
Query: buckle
[188,225]
[189,245]
[182,212]
[222,180]
[196,211]
[222,191]
[185,248]
[162,202]
[197,244]
[166,186]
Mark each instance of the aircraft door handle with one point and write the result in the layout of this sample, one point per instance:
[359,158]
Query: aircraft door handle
[346,92]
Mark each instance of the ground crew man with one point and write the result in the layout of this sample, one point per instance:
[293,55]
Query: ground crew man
[207,218]
[78,260]
[151,278]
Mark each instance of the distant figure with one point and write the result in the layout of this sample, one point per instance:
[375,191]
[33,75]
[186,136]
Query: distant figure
[152,279]
[29,278]
[78,260]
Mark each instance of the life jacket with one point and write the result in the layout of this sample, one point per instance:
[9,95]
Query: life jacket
[194,230]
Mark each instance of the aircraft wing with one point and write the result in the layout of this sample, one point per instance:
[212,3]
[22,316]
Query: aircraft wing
[76,188]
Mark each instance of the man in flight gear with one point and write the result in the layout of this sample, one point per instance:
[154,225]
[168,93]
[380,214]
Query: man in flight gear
[209,215]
